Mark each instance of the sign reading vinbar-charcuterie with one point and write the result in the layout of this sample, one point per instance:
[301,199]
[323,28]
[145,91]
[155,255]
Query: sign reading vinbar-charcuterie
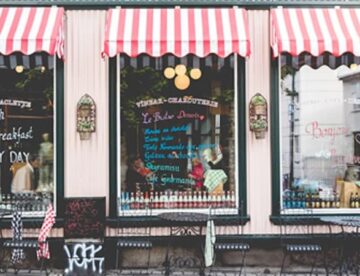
[177,147]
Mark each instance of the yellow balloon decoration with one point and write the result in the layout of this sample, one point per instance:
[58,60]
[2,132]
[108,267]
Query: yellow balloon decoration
[169,73]
[195,73]
[180,69]
[182,82]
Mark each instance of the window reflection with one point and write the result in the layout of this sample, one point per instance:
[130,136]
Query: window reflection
[319,130]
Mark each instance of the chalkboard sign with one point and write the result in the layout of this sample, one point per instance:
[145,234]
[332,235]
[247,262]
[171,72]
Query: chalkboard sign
[84,217]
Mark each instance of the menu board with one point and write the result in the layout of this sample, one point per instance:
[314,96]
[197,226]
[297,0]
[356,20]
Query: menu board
[84,217]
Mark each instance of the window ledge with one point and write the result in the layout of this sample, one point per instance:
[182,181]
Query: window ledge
[313,220]
[34,222]
[142,221]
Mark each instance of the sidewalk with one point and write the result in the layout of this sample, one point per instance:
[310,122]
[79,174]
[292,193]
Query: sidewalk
[223,271]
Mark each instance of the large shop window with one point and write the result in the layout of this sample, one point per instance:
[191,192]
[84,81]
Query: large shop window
[319,102]
[30,39]
[178,143]
[178,133]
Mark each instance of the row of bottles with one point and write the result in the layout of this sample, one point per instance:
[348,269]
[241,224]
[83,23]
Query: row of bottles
[25,202]
[354,200]
[176,200]
[296,200]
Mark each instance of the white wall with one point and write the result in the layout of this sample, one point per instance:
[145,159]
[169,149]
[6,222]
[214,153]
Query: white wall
[86,162]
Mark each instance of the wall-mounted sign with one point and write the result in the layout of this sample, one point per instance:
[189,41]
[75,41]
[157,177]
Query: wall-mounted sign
[86,117]
[258,115]
[84,218]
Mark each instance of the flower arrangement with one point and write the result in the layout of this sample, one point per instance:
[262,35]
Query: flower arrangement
[258,125]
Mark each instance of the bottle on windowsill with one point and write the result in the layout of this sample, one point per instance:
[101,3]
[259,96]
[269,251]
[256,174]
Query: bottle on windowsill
[337,200]
[132,201]
[233,202]
[357,203]
[146,201]
[142,201]
[191,199]
[151,200]
[181,200]
[185,200]
[352,201]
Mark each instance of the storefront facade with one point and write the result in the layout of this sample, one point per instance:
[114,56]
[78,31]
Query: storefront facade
[304,160]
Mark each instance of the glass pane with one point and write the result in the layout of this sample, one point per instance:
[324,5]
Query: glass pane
[26,135]
[320,124]
[177,133]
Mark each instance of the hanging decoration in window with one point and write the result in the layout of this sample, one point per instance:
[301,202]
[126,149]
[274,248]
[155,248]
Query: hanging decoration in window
[86,115]
[258,116]
[182,80]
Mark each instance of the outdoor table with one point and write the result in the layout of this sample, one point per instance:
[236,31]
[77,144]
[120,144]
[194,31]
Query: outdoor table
[348,237]
[184,224]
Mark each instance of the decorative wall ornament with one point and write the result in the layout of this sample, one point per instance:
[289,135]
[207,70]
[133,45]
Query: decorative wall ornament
[86,117]
[258,115]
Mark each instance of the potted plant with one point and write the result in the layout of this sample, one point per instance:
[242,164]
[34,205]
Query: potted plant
[259,104]
[259,126]
[85,127]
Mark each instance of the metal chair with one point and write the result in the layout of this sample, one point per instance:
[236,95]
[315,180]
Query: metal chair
[297,237]
[235,243]
[139,240]
[23,206]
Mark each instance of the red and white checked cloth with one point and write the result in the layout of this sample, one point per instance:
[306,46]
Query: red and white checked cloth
[49,220]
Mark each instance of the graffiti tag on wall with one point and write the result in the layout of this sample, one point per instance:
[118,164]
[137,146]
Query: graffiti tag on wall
[83,259]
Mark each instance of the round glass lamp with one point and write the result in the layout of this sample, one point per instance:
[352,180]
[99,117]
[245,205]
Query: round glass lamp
[19,69]
[180,69]
[182,82]
[195,73]
[169,73]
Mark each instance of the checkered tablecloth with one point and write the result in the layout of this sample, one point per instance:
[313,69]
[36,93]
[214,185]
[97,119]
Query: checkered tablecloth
[213,178]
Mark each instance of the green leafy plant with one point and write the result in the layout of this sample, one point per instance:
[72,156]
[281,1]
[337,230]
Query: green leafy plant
[85,126]
[139,84]
[258,100]
[258,124]
[226,96]
[85,101]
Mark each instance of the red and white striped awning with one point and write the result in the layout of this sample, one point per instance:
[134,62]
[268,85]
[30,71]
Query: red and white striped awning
[30,30]
[177,31]
[316,31]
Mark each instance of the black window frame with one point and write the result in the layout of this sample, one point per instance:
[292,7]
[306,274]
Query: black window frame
[134,221]
[59,149]
[276,217]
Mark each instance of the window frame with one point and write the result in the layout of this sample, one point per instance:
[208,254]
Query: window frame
[113,149]
[58,122]
[276,164]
